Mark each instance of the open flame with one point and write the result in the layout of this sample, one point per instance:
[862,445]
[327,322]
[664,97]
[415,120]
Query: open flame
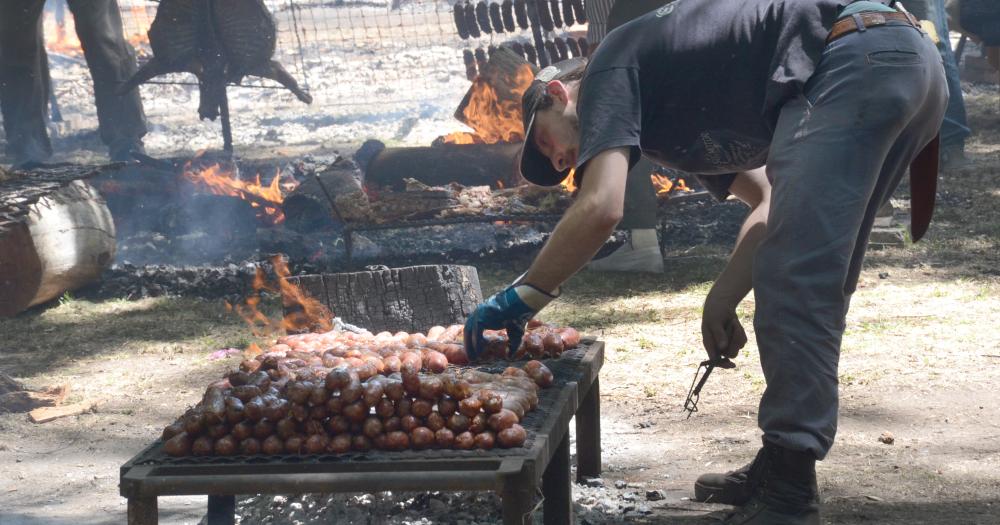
[664,186]
[61,38]
[568,183]
[305,313]
[494,120]
[222,181]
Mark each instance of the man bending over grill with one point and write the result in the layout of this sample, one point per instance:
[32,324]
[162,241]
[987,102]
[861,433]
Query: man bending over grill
[837,101]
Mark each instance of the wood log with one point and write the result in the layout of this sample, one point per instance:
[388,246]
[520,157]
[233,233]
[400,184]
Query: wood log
[65,241]
[308,208]
[491,165]
[411,299]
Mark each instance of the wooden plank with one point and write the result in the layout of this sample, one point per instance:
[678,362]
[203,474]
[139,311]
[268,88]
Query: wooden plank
[46,414]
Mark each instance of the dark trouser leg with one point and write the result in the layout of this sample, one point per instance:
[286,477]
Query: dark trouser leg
[640,198]
[875,100]
[111,61]
[24,90]
[955,128]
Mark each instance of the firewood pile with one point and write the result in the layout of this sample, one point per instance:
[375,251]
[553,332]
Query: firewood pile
[343,391]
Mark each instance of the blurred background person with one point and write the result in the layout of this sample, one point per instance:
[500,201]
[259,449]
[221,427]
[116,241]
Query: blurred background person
[25,87]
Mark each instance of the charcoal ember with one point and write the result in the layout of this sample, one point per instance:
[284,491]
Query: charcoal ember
[133,282]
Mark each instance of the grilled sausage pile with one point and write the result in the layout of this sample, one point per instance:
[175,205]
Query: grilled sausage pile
[338,392]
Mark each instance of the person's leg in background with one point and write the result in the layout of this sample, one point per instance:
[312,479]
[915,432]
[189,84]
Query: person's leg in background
[111,61]
[641,253]
[24,88]
[955,127]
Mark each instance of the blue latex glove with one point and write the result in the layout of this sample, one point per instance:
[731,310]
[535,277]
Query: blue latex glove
[507,309]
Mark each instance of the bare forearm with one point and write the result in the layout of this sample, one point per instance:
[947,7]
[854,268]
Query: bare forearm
[586,225]
[572,244]
[736,279]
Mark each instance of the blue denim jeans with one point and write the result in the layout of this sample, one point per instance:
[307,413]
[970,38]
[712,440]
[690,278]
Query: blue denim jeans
[875,100]
[955,127]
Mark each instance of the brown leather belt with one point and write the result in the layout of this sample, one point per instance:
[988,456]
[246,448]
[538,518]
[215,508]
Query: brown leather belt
[862,21]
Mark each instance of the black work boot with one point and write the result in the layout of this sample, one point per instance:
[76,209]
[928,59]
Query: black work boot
[730,488]
[784,490]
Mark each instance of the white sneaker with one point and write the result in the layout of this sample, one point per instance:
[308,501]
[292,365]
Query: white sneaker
[640,254]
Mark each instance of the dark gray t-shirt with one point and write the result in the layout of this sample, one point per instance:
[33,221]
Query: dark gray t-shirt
[697,85]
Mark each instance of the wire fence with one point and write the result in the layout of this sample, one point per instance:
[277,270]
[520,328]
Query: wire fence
[346,52]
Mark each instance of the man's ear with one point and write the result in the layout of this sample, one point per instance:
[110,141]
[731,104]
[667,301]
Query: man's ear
[558,91]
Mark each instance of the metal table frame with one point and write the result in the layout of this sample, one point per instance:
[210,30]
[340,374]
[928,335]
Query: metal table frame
[515,477]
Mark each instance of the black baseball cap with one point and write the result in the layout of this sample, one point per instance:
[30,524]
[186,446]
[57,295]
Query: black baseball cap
[536,167]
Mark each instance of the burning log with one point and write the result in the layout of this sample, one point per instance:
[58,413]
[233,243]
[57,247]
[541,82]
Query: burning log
[308,207]
[470,164]
[64,241]
[399,299]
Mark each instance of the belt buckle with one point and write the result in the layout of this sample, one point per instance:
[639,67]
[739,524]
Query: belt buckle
[877,19]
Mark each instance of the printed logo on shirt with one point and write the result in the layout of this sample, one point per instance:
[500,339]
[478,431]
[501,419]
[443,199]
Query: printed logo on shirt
[666,10]
[726,151]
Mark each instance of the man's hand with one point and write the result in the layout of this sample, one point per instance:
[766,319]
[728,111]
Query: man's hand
[510,309]
[721,331]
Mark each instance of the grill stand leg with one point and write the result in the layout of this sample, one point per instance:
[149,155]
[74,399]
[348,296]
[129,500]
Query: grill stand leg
[518,495]
[588,434]
[221,510]
[142,511]
[556,487]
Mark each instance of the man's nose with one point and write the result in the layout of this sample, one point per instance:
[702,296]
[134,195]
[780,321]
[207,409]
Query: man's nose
[559,162]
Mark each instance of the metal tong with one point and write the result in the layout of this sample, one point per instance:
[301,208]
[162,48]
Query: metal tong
[691,403]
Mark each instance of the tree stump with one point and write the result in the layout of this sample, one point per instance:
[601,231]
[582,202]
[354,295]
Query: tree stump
[62,241]
[411,299]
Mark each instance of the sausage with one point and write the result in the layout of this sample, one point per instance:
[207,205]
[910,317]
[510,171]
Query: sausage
[392,424]
[478,423]
[431,388]
[435,361]
[317,443]
[214,406]
[552,344]
[172,430]
[502,420]
[465,441]
[470,406]
[385,409]
[254,409]
[225,446]
[512,437]
[447,406]
[273,445]
[408,423]
[285,428]
[539,373]
[403,407]
[245,392]
[178,445]
[435,333]
[217,431]
[372,427]
[262,429]
[421,408]
[356,412]
[435,421]
[458,423]
[362,443]
[455,354]
[338,425]
[373,392]
[340,444]
[294,444]
[397,440]
[250,446]
[421,438]
[485,440]
[532,344]
[392,364]
[444,438]
[493,404]
[203,446]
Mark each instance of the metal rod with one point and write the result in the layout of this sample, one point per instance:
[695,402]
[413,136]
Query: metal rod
[227,130]
[348,231]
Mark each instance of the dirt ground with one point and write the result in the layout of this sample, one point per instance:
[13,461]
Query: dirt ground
[921,359]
